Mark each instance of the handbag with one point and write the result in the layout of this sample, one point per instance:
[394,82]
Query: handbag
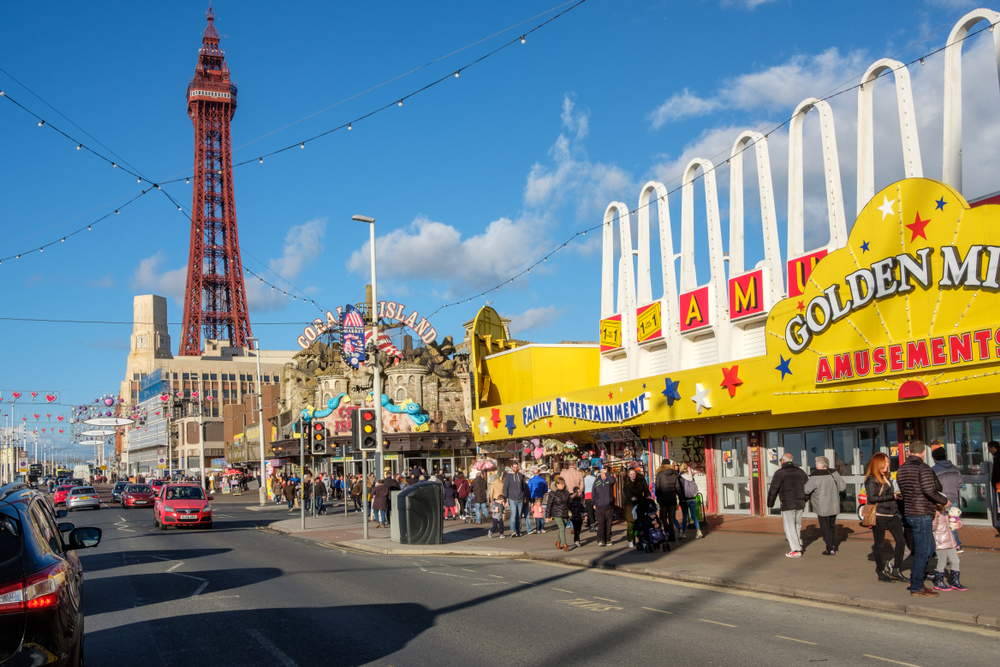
[868,512]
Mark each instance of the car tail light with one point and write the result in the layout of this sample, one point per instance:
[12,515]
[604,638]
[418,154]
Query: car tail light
[38,591]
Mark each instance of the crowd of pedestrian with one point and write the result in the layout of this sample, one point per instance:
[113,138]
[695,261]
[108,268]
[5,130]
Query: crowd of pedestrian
[918,508]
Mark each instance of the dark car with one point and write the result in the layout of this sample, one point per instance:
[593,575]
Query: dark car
[41,581]
[118,490]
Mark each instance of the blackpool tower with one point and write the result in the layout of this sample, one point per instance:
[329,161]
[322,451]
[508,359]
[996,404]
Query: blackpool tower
[215,303]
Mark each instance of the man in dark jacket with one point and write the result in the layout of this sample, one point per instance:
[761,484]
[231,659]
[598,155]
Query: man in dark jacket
[788,484]
[667,485]
[480,496]
[515,490]
[920,501]
[603,496]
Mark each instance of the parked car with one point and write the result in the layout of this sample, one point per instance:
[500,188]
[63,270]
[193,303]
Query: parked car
[117,491]
[137,495]
[182,505]
[41,581]
[59,497]
[82,497]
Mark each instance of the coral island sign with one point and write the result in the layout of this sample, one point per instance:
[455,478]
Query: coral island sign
[387,310]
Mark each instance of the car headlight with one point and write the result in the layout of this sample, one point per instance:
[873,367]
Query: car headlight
[168,508]
[208,508]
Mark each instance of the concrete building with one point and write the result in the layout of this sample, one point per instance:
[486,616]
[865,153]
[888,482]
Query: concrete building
[171,396]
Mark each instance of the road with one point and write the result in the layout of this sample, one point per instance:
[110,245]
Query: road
[239,595]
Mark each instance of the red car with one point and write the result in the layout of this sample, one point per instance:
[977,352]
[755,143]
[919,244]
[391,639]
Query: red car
[59,497]
[157,484]
[182,505]
[137,495]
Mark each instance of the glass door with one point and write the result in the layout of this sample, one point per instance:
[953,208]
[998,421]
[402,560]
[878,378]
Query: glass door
[968,451]
[734,474]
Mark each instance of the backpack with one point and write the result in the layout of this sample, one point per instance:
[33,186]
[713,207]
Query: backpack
[690,488]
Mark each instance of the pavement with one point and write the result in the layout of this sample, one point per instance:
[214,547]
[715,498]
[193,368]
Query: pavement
[727,556]
[243,594]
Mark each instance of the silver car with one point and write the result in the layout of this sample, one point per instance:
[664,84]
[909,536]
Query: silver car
[80,497]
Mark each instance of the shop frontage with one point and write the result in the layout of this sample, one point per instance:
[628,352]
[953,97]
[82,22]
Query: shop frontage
[890,335]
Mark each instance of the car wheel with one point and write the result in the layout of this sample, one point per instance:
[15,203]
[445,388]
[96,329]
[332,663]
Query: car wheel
[163,526]
[156,523]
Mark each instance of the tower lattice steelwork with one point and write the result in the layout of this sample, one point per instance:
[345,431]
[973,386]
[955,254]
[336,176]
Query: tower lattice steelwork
[215,301]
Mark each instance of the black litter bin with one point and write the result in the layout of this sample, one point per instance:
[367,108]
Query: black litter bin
[419,510]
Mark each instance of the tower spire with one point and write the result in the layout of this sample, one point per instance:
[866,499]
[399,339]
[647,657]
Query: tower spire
[215,298]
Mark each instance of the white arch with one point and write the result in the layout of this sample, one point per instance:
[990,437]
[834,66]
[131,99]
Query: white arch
[689,277]
[718,293]
[644,281]
[866,122]
[831,168]
[768,216]
[952,166]
[626,282]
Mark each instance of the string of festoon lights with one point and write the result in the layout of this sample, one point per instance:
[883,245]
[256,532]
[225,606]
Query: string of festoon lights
[715,166]
[83,146]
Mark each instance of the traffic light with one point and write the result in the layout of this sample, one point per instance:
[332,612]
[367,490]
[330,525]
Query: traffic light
[363,430]
[318,438]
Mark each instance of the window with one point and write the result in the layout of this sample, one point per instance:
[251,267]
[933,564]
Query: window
[214,376]
[400,395]
[44,528]
[243,378]
[175,376]
[204,376]
[225,394]
[184,376]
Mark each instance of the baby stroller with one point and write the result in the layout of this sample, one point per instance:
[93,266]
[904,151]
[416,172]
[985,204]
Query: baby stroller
[649,530]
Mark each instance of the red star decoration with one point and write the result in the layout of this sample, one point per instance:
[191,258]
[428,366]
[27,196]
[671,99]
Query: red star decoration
[611,395]
[731,380]
[917,227]
[550,423]
[495,418]
[801,306]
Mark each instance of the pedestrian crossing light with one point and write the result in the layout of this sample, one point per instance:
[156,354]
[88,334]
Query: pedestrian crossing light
[318,438]
[363,430]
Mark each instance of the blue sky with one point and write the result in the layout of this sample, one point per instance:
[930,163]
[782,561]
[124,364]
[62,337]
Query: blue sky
[468,181]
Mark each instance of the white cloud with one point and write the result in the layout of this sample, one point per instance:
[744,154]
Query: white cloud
[682,105]
[417,252]
[775,88]
[104,282]
[532,318]
[506,245]
[303,246]
[572,175]
[149,277]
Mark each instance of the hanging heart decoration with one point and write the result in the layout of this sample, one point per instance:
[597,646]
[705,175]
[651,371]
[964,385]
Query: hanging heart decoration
[178,394]
[208,398]
[36,416]
[16,394]
[157,413]
[59,417]
[50,398]
[34,394]
[194,394]
[49,416]
[60,430]
[43,430]
[164,398]
[109,401]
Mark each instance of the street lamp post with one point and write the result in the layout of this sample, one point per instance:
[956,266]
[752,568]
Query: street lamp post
[260,423]
[376,376]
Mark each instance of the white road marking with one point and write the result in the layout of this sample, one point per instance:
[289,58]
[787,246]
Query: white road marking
[705,620]
[272,649]
[793,639]
[659,610]
[198,590]
[895,662]
[187,576]
[175,566]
